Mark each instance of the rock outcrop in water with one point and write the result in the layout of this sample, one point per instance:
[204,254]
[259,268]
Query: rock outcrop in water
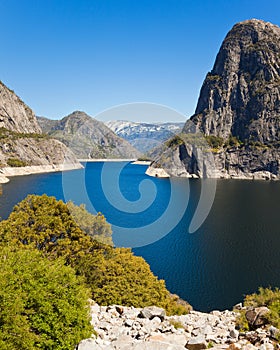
[238,110]
[24,149]
[88,137]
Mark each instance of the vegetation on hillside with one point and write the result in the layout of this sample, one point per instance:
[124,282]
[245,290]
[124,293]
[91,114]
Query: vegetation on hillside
[15,162]
[12,135]
[114,276]
[265,297]
[43,304]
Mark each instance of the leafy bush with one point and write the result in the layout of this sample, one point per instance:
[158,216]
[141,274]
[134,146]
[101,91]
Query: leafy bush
[43,305]
[174,142]
[14,162]
[119,277]
[214,141]
[94,225]
[233,141]
[176,324]
[144,159]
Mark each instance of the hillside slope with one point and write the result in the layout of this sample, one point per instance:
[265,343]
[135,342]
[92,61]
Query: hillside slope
[23,146]
[88,137]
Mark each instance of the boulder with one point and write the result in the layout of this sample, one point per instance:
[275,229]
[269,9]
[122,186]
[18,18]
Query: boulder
[256,317]
[273,332]
[196,343]
[152,311]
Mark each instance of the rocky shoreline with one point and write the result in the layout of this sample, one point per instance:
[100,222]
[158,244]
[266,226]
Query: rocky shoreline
[125,328]
[7,172]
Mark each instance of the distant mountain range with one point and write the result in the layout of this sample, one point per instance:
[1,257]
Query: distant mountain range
[145,136]
[88,137]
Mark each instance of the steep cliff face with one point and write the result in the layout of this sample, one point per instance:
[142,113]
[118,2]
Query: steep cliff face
[15,115]
[241,95]
[88,137]
[238,110]
[22,143]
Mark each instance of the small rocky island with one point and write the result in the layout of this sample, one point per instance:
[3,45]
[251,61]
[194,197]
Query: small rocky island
[238,112]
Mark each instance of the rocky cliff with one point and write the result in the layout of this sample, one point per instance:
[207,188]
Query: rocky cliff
[238,110]
[15,115]
[88,137]
[24,149]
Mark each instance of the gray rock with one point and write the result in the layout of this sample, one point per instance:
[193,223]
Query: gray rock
[153,311]
[257,316]
[234,333]
[238,306]
[155,346]
[273,331]
[88,344]
[196,343]
[129,323]
[266,346]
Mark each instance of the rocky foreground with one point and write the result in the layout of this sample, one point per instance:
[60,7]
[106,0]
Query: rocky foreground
[126,328]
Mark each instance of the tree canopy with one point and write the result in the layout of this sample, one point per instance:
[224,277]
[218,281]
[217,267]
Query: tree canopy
[43,304]
[114,275]
[95,226]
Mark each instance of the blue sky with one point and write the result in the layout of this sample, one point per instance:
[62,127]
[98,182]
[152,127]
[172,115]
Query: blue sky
[66,55]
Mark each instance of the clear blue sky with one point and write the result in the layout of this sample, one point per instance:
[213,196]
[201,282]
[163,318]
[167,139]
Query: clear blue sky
[66,55]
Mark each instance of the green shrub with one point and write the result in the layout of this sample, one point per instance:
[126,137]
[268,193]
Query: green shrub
[213,77]
[119,277]
[174,142]
[214,141]
[233,141]
[43,305]
[176,324]
[14,162]
[144,159]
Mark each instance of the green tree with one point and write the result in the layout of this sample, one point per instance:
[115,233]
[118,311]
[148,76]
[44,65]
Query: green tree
[94,225]
[114,276]
[48,225]
[119,277]
[43,304]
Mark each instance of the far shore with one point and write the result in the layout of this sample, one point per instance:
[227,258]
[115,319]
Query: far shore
[107,160]
[7,172]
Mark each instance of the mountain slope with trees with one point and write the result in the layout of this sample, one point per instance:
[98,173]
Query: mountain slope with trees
[87,137]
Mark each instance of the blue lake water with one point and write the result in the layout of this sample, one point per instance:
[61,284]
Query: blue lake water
[234,251]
